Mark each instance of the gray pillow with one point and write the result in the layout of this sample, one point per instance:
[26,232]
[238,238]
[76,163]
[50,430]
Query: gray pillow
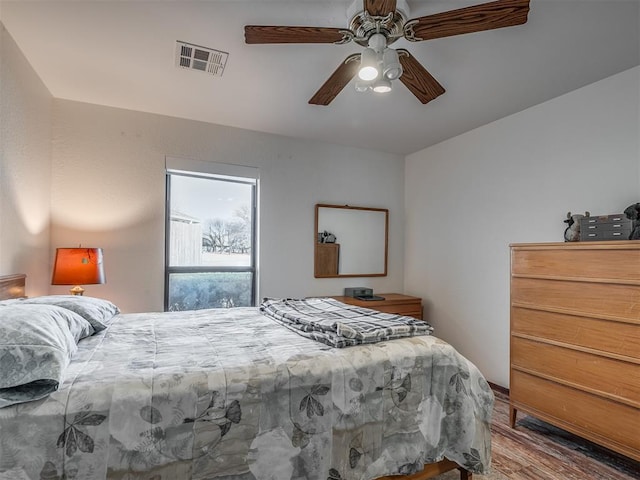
[97,311]
[11,301]
[78,326]
[36,346]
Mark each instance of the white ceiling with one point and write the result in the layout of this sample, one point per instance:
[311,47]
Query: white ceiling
[122,54]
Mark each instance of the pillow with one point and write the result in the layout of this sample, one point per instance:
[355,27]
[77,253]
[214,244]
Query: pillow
[36,346]
[96,311]
[78,326]
[10,301]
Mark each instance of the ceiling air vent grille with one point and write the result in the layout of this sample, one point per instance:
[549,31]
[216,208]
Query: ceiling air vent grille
[204,59]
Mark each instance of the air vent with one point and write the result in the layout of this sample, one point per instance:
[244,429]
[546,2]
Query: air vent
[203,59]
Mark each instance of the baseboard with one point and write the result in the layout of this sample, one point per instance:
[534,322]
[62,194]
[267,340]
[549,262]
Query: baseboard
[499,389]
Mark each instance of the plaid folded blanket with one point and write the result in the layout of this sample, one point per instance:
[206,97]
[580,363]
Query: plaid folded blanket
[340,325]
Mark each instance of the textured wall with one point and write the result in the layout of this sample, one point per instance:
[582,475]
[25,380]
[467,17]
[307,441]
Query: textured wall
[25,168]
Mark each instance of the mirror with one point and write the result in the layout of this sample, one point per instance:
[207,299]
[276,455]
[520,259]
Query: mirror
[350,241]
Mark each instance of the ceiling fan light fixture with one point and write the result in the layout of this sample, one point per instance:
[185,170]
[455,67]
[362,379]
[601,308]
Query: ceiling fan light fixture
[391,67]
[368,65]
[383,85]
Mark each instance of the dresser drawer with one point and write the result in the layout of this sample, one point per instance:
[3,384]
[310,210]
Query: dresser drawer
[614,218]
[612,424]
[610,377]
[395,303]
[602,335]
[613,234]
[622,264]
[590,299]
[409,310]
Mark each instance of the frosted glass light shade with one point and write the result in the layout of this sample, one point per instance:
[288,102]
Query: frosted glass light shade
[392,68]
[362,86]
[382,86]
[368,65]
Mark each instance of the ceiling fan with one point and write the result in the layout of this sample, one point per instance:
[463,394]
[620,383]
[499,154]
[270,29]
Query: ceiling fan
[378,25]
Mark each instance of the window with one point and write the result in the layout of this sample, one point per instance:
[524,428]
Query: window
[210,241]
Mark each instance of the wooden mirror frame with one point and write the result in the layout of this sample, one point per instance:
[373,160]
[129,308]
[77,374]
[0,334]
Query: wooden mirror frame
[325,253]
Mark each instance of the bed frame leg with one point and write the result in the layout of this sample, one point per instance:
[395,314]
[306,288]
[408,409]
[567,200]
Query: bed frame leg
[465,474]
[512,416]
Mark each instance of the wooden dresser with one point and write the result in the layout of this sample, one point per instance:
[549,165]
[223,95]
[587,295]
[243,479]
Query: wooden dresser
[575,339]
[392,303]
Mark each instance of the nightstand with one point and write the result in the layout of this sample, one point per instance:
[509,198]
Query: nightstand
[392,303]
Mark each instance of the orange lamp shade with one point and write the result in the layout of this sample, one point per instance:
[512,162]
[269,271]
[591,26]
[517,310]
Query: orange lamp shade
[78,266]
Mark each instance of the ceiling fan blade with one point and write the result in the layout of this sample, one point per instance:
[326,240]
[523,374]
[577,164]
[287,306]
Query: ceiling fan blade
[337,81]
[278,34]
[416,78]
[486,16]
[379,8]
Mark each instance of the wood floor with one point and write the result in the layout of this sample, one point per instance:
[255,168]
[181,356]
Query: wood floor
[535,450]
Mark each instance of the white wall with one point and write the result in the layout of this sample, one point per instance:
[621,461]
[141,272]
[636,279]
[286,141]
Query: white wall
[109,191]
[513,180]
[25,168]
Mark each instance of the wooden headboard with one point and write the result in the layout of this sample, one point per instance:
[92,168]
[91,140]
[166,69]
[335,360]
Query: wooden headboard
[12,286]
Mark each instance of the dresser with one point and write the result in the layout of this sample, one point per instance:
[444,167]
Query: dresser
[392,303]
[575,339]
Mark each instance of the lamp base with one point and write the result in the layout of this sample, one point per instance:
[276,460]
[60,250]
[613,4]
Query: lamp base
[77,290]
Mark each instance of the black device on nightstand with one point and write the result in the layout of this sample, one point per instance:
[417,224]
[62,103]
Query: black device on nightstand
[361,293]
[369,297]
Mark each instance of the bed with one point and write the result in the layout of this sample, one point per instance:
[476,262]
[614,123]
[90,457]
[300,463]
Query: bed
[231,394]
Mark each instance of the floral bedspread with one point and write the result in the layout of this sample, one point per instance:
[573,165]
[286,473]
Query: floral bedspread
[231,394]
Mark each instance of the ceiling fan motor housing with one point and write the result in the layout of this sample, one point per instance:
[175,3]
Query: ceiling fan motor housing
[364,25]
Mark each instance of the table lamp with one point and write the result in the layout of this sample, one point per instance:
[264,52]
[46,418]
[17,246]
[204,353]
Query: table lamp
[78,266]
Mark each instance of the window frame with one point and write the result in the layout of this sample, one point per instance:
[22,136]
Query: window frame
[253,269]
